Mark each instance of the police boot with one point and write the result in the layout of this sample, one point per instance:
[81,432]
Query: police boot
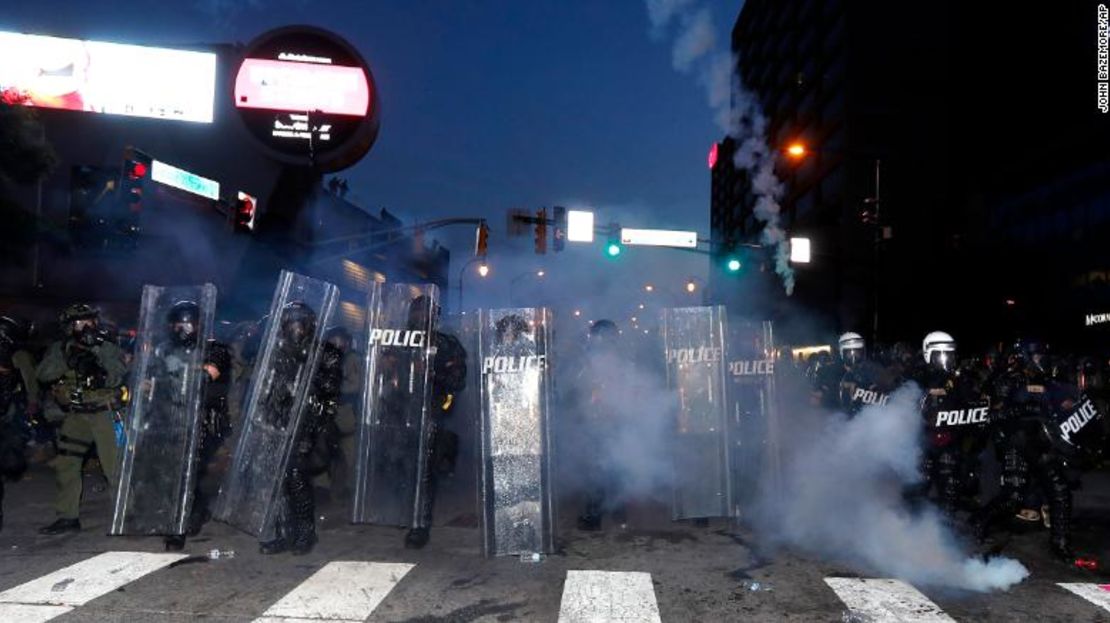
[61,526]
[197,519]
[274,546]
[305,541]
[174,542]
[417,538]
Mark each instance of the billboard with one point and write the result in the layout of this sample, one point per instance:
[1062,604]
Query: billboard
[112,78]
[308,97]
[299,87]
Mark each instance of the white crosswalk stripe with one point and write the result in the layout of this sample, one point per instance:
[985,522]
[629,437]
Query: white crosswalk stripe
[341,592]
[350,591]
[1098,594]
[57,593]
[608,596]
[886,601]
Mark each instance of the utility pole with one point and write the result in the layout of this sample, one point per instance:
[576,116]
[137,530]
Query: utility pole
[876,252]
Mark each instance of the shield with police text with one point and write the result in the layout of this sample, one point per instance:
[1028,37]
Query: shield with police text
[753,413]
[251,495]
[158,464]
[396,425]
[515,488]
[693,342]
[1078,433]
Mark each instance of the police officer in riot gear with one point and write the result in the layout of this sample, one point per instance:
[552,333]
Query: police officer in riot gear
[183,322]
[601,482]
[448,379]
[860,383]
[339,435]
[85,373]
[1022,429]
[955,417]
[296,525]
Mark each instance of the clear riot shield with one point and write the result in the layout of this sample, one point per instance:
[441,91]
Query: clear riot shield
[693,342]
[753,408]
[301,310]
[158,463]
[395,425]
[515,484]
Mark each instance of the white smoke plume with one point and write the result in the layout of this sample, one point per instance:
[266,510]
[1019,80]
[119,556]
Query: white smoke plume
[736,111]
[620,439]
[842,498]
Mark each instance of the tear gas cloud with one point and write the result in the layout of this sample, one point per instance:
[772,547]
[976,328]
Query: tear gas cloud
[841,498]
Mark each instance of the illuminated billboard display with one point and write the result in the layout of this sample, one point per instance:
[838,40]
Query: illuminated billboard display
[298,87]
[112,78]
[308,97]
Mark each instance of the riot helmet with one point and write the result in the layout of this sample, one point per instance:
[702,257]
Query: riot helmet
[851,348]
[80,323]
[339,337]
[298,324]
[14,330]
[510,328]
[184,323]
[422,311]
[939,351]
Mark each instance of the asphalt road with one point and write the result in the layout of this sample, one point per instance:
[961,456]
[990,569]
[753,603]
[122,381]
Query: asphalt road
[695,574]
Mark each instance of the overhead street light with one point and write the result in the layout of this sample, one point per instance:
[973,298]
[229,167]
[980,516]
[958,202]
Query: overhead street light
[799,250]
[580,226]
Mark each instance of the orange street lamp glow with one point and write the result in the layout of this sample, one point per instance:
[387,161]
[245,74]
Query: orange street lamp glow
[796,150]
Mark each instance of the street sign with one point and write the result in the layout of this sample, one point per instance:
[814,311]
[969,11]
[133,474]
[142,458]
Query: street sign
[660,238]
[181,179]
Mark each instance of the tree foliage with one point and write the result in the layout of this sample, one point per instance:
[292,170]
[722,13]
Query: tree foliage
[25,155]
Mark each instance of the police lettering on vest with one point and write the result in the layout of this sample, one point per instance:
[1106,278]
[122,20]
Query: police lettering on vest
[764,367]
[396,337]
[701,354]
[869,397]
[960,417]
[499,365]
[1077,420]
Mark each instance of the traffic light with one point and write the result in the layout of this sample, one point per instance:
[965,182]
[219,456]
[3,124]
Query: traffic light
[613,248]
[732,258]
[559,236]
[136,168]
[246,208]
[481,244]
[541,231]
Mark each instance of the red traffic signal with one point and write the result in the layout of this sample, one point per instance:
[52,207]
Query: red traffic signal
[137,169]
[246,208]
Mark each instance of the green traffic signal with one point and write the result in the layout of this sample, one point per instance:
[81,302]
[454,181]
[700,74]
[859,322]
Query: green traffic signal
[733,265]
[613,249]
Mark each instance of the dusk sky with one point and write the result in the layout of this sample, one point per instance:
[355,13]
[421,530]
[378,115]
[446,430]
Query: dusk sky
[485,105]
